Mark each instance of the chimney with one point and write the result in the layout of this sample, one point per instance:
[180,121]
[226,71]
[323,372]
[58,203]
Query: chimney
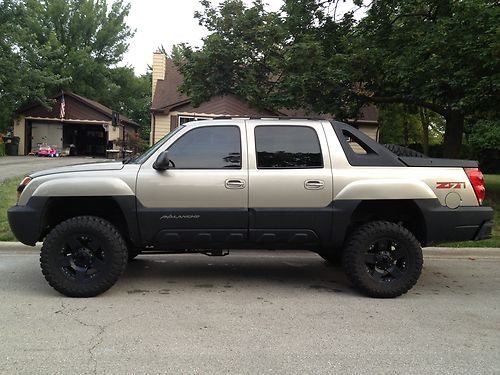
[159,67]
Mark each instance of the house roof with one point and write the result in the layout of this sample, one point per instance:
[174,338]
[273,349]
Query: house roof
[77,108]
[166,95]
[167,98]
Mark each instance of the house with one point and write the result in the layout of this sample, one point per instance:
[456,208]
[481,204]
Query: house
[72,121]
[170,108]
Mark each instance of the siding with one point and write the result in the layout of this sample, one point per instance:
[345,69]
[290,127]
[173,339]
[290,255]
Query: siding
[162,126]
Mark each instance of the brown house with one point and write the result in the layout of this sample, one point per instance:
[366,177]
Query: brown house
[82,124]
[171,108]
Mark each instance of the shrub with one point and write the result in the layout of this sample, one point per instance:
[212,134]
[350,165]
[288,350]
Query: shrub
[484,145]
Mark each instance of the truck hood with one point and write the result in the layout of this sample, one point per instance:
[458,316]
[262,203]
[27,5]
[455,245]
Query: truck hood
[104,166]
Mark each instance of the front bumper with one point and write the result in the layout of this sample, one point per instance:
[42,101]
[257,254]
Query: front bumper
[461,224]
[26,221]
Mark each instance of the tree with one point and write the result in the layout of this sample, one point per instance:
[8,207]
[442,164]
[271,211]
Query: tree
[442,55]
[26,66]
[73,45]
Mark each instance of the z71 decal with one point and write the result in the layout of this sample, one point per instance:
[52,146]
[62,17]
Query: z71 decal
[450,185]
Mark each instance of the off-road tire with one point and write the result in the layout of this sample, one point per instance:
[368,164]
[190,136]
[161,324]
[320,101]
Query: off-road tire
[403,151]
[58,261]
[365,245]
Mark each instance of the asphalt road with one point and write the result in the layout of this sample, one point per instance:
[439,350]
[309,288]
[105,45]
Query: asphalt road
[11,166]
[252,313]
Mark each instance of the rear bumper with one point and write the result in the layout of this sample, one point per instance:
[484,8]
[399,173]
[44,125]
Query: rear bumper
[461,224]
[25,221]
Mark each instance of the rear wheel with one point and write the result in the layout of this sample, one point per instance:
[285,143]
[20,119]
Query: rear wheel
[83,256]
[383,259]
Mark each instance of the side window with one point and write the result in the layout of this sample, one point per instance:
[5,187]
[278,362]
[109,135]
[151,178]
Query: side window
[287,147]
[211,147]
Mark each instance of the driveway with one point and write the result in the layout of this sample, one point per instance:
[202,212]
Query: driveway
[11,166]
[252,313]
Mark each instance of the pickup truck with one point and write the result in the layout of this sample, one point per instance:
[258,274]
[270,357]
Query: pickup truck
[245,183]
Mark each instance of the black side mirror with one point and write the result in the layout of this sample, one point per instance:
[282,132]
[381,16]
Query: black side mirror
[162,162]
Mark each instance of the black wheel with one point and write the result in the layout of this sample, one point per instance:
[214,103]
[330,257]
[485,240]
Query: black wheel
[83,256]
[333,258]
[383,259]
[404,151]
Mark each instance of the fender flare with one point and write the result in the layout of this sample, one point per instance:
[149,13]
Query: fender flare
[386,189]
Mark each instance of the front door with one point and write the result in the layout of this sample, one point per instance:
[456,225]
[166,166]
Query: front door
[202,200]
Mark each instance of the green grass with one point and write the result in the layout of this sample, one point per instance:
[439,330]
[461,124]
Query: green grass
[492,182]
[7,199]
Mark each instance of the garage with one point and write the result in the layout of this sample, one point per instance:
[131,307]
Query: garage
[74,125]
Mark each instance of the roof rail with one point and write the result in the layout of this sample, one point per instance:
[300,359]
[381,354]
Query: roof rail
[268,117]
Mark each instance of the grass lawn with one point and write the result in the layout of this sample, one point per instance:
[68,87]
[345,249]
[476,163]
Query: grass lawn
[8,199]
[492,182]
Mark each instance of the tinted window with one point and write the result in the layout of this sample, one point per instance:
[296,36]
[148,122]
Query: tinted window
[211,147]
[287,147]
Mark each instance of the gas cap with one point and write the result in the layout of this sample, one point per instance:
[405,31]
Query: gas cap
[453,200]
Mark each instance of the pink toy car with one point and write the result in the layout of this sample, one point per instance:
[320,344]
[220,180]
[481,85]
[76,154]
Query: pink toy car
[48,151]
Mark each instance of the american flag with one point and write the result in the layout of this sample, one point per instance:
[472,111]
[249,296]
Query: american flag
[62,111]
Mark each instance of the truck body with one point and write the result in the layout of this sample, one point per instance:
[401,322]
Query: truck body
[260,184]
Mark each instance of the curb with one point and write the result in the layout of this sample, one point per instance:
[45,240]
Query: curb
[432,252]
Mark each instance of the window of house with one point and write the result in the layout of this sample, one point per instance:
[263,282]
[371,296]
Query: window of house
[184,119]
[287,147]
[211,147]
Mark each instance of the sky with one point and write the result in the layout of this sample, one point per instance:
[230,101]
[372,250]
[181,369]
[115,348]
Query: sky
[167,22]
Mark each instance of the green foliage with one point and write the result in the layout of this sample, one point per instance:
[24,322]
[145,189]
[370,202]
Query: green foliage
[398,126]
[442,55]
[72,45]
[7,199]
[484,144]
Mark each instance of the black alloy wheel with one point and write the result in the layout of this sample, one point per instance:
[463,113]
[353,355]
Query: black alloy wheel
[83,256]
[383,259]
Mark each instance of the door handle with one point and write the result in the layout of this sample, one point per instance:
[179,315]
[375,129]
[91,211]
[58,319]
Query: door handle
[234,184]
[314,184]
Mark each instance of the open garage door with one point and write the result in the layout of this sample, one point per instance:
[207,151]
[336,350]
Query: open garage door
[46,134]
[86,139]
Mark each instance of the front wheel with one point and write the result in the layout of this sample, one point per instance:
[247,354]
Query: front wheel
[83,256]
[383,259]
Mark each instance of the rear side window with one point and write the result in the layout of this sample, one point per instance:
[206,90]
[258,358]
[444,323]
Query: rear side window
[211,147]
[287,147]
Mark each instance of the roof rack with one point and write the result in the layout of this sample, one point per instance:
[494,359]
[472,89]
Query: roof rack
[268,117]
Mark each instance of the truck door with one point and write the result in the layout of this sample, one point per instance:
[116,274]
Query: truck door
[202,200]
[290,184]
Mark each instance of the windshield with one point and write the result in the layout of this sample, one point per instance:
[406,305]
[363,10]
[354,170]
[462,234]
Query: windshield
[142,158]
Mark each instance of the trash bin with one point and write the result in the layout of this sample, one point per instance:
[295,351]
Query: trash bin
[11,146]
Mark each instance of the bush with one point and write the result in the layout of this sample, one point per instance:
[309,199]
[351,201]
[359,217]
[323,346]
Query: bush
[2,149]
[484,145]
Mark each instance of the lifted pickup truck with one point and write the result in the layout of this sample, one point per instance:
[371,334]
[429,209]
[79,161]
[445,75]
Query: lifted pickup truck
[214,185]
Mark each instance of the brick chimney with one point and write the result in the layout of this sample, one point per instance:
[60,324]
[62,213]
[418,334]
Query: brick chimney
[159,67]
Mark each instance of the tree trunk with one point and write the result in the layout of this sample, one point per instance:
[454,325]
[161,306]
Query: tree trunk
[453,134]
[424,119]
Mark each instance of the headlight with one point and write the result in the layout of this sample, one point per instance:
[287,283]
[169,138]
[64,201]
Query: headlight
[26,180]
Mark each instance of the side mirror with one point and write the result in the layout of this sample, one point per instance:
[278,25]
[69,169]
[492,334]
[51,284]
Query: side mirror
[162,163]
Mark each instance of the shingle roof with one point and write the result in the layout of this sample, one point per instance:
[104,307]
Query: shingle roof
[87,107]
[166,97]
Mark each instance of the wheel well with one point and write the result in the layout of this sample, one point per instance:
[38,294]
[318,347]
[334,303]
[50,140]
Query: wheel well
[62,208]
[404,212]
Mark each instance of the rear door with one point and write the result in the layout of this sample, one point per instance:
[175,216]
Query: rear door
[290,181]
[202,200]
